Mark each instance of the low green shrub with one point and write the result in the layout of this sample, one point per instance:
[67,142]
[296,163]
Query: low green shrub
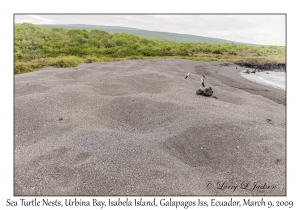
[66,61]
[90,59]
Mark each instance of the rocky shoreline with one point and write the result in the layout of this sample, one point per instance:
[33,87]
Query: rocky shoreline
[280,67]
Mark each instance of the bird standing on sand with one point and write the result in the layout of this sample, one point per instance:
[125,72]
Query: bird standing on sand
[202,80]
[188,74]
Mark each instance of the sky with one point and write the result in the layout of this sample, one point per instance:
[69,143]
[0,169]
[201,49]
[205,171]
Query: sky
[264,29]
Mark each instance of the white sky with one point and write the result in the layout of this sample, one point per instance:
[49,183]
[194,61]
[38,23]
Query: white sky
[255,29]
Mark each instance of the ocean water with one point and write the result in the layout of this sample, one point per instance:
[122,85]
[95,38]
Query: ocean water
[273,79]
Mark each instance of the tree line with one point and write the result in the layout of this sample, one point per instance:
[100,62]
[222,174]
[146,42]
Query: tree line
[36,47]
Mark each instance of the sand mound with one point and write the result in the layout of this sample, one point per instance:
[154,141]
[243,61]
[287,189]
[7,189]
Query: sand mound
[140,114]
[138,128]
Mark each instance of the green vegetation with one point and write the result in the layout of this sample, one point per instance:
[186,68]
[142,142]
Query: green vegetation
[166,36]
[36,47]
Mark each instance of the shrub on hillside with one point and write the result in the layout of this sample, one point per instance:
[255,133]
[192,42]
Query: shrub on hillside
[66,61]
[90,59]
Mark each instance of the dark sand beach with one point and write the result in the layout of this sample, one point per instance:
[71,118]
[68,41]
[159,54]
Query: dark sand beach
[137,127]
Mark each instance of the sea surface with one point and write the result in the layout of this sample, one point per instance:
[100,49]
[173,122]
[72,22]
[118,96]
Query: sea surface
[273,79]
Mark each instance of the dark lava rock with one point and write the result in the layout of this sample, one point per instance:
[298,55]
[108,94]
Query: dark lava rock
[199,92]
[247,72]
[269,121]
[206,91]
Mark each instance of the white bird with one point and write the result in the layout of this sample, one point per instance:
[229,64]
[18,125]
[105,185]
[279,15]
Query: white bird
[188,74]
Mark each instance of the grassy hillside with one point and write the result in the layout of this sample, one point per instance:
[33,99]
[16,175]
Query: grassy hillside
[147,34]
[37,47]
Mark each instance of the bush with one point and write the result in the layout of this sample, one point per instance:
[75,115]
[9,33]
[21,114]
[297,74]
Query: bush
[90,59]
[217,51]
[21,68]
[109,51]
[232,53]
[66,61]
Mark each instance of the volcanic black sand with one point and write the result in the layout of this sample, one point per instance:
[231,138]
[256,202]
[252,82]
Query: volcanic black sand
[138,128]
